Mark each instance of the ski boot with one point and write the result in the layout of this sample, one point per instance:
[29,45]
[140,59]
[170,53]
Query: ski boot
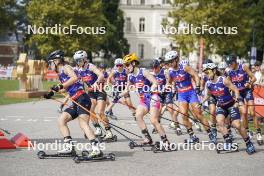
[60,109]
[173,126]
[197,126]
[154,131]
[193,140]
[214,131]
[109,137]
[259,139]
[147,142]
[162,146]
[134,116]
[250,134]
[250,148]
[98,131]
[212,137]
[178,131]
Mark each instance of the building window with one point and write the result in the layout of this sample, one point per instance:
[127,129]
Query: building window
[128,2]
[142,2]
[141,51]
[141,24]
[128,24]
[165,1]
[163,51]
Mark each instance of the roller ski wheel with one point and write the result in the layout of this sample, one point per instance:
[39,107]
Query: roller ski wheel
[43,155]
[225,149]
[132,144]
[102,157]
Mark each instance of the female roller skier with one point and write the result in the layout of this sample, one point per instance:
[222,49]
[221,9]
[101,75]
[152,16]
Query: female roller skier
[219,87]
[181,76]
[70,83]
[243,79]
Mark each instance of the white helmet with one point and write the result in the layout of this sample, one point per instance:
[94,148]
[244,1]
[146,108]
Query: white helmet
[119,61]
[210,66]
[80,55]
[184,62]
[222,65]
[171,55]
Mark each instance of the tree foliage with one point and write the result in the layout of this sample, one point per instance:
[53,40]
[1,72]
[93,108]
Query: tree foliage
[215,13]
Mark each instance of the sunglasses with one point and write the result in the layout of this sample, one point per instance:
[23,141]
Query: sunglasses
[208,71]
[119,65]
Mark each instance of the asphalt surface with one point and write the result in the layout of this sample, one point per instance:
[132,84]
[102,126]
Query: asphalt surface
[39,122]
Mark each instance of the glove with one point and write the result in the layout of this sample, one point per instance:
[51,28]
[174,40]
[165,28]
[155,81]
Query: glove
[49,95]
[198,90]
[115,100]
[57,88]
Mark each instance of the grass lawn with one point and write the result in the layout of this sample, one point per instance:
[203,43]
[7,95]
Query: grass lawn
[9,85]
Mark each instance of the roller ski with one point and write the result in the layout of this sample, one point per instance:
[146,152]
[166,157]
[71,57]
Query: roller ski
[193,140]
[259,139]
[108,137]
[94,156]
[227,147]
[164,148]
[145,143]
[111,115]
[67,152]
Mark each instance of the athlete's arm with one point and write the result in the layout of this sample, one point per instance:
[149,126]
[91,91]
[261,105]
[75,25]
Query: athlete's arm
[152,79]
[232,87]
[100,74]
[73,77]
[109,79]
[193,73]
[250,74]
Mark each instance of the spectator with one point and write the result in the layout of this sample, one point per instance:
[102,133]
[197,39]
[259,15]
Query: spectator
[257,71]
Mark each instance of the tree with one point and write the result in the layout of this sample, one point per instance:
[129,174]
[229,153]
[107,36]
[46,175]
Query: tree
[115,43]
[82,13]
[215,13]
[7,15]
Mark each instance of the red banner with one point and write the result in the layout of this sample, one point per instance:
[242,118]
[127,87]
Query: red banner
[259,100]
[51,75]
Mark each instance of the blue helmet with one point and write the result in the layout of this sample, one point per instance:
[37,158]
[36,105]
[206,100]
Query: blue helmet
[230,59]
[155,63]
[58,54]
[102,66]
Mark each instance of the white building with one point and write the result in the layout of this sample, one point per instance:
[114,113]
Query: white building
[143,30]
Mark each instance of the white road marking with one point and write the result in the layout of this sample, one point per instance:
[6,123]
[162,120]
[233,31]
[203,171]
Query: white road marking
[3,119]
[46,120]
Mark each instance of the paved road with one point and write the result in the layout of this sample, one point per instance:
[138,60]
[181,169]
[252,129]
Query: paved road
[38,122]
